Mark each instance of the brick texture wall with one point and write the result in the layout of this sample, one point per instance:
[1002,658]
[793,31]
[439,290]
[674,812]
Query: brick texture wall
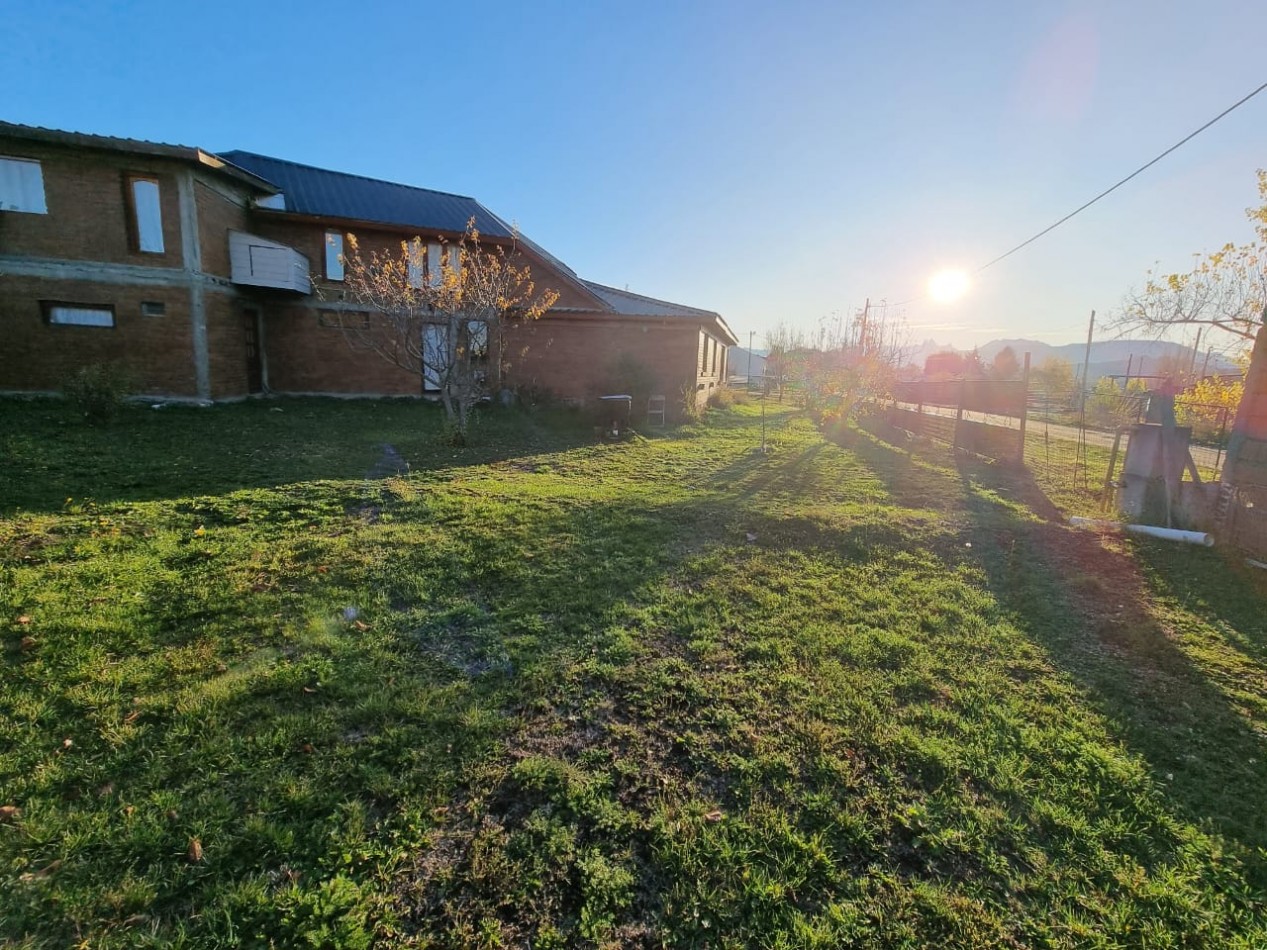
[579,359]
[217,215]
[158,351]
[88,208]
[306,357]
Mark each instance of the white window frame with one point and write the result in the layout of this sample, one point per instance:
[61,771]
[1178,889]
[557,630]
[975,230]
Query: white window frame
[22,185]
[147,213]
[435,269]
[62,314]
[416,265]
[334,255]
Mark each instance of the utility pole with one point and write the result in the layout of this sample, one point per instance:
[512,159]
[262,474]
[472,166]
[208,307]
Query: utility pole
[750,335]
[1126,384]
[1206,365]
[1195,347]
[862,330]
[1086,361]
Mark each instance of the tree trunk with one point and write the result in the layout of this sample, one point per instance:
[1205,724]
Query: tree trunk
[1255,390]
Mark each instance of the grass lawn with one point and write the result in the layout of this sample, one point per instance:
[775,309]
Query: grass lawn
[259,688]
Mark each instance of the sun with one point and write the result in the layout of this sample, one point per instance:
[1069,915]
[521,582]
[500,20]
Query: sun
[947,286]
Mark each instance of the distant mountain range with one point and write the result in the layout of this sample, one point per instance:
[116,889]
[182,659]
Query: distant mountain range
[1108,357]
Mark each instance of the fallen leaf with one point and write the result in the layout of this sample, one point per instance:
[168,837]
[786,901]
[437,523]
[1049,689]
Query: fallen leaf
[24,620]
[128,810]
[195,850]
[361,625]
[132,717]
[67,743]
[322,569]
[199,531]
[714,816]
[10,812]
[307,747]
[751,537]
[28,643]
[172,814]
[107,789]
[309,690]
[136,918]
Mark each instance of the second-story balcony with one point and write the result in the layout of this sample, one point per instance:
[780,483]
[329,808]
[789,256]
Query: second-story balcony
[259,262]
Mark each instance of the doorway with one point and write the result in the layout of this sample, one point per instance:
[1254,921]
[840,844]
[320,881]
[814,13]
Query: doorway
[254,358]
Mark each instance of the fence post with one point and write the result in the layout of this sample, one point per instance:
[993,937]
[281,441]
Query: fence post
[963,391]
[1020,451]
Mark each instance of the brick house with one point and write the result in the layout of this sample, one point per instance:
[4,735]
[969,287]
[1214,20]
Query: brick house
[218,276]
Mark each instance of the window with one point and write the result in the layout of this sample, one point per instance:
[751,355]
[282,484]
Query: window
[435,270]
[153,308]
[147,215]
[415,264]
[477,340]
[334,255]
[78,314]
[22,186]
[455,259]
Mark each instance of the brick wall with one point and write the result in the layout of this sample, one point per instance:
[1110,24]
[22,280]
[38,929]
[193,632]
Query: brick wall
[306,357]
[88,207]
[38,356]
[580,358]
[217,215]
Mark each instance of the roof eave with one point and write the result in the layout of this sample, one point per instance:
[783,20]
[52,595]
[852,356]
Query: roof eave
[105,143]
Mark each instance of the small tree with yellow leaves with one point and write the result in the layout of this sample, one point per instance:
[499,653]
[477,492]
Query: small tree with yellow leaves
[1226,290]
[443,315]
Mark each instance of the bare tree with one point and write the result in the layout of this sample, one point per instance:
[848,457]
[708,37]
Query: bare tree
[440,311]
[1226,290]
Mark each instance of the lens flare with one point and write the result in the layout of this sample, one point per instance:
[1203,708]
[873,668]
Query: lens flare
[947,286]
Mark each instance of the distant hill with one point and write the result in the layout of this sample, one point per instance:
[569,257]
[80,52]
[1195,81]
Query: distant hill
[1108,357]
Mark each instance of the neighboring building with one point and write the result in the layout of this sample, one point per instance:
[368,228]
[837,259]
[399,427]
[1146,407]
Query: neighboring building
[215,277]
[746,363]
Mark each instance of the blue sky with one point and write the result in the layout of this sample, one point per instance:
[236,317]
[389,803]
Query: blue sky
[775,162]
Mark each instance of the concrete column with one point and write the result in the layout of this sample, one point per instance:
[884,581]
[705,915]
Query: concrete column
[191,254]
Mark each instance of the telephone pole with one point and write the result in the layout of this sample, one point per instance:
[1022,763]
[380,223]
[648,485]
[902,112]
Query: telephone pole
[1086,361]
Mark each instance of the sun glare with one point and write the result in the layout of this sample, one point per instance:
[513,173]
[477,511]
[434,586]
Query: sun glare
[947,286]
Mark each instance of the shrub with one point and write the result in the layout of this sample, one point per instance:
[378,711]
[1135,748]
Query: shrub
[722,398]
[691,411]
[98,390]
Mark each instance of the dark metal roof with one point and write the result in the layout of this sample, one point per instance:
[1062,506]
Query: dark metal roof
[329,194]
[109,143]
[626,303]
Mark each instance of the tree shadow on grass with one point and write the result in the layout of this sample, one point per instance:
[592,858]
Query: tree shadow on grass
[348,696]
[48,456]
[1093,606]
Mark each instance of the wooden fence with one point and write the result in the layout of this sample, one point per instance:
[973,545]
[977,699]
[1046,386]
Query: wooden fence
[982,416]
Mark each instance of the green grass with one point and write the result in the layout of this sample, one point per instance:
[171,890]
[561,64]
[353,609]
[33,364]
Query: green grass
[552,693]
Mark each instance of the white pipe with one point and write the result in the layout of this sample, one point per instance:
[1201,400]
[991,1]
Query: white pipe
[1168,534]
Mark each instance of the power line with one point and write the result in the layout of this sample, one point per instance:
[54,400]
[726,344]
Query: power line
[1109,191]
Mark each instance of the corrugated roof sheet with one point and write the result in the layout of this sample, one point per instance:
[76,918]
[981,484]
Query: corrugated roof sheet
[630,304]
[330,194]
[622,301]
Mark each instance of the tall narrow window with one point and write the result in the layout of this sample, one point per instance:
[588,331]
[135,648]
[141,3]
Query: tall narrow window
[22,186]
[415,264]
[435,269]
[334,255]
[455,260]
[147,215]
